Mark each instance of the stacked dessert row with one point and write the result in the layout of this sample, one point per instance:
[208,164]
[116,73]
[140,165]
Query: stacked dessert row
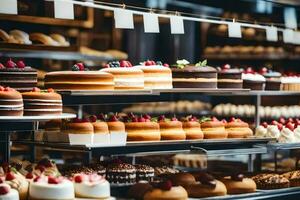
[34,103]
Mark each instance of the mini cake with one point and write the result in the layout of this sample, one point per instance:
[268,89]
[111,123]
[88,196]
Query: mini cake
[79,126]
[91,186]
[126,77]
[115,125]
[42,102]
[273,79]
[7,193]
[100,127]
[229,78]
[252,80]
[290,83]
[207,186]
[79,79]
[293,177]
[236,128]
[157,75]
[144,173]
[238,184]
[51,188]
[192,129]
[18,182]
[197,76]
[121,173]
[18,76]
[213,128]
[142,129]
[287,134]
[270,181]
[171,129]
[11,102]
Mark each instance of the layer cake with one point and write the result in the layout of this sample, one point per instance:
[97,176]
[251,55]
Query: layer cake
[11,102]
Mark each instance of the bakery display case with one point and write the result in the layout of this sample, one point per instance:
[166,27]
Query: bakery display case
[94,113]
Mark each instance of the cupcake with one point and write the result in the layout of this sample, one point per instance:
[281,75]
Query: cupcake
[273,79]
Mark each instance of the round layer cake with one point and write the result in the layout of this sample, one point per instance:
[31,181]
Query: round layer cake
[79,126]
[121,173]
[11,102]
[18,76]
[51,188]
[79,80]
[142,131]
[229,78]
[156,75]
[188,76]
[171,130]
[238,129]
[214,129]
[144,173]
[115,125]
[192,129]
[100,127]
[45,102]
[130,78]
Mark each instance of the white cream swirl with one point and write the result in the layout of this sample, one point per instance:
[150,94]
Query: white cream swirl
[260,131]
[297,134]
[273,131]
[286,136]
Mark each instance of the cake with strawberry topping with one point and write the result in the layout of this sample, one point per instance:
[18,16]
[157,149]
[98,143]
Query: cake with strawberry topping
[171,129]
[229,78]
[18,75]
[193,76]
[78,126]
[192,128]
[142,128]
[253,80]
[100,127]
[156,74]
[236,128]
[126,77]
[79,79]
[11,102]
[7,193]
[91,186]
[16,181]
[287,134]
[51,188]
[42,102]
[273,78]
[213,128]
[115,125]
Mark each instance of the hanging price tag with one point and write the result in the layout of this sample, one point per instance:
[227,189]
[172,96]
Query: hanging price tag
[272,34]
[177,26]
[151,24]
[123,18]
[288,36]
[290,18]
[9,7]
[63,9]
[234,30]
[296,37]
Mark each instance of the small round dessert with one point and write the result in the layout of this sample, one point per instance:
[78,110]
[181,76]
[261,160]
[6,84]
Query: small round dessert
[7,193]
[273,79]
[293,177]
[236,128]
[157,75]
[51,188]
[126,77]
[115,125]
[11,102]
[214,129]
[79,126]
[171,130]
[144,173]
[192,129]
[121,174]
[182,179]
[38,102]
[238,184]
[18,182]
[100,127]
[91,186]
[252,80]
[142,129]
[207,186]
[45,167]
[229,78]
[270,181]
[166,191]
[197,76]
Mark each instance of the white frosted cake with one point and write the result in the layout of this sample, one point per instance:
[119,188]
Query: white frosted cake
[7,193]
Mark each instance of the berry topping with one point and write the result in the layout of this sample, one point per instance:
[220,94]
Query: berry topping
[9,176]
[161,118]
[2,66]
[224,121]
[1,181]
[53,180]
[290,120]
[282,120]
[29,175]
[131,115]
[167,185]
[2,88]
[101,117]
[21,64]
[125,63]
[40,167]
[10,64]
[226,66]
[76,120]
[263,70]
[4,190]
[174,119]
[264,124]
[274,122]
[36,179]
[148,63]
[50,90]
[135,119]
[232,119]
[36,89]
[290,126]
[113,118]
[279,126]
[249,70]
[78,179]
[214,119]
[146,116]
[93,118]
[7,89]
[78,67]
[85,120]
[166,65]
[141,119]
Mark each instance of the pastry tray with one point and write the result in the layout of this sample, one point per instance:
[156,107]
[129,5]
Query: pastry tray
[35,118]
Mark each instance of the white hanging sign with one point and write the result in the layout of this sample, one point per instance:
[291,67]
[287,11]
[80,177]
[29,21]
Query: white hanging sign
[63,9]
[290,18]
[177,26]
[296,37]
[123,18]
[288,36]
[151,24]
[272,34]
[9,7]
[234,30]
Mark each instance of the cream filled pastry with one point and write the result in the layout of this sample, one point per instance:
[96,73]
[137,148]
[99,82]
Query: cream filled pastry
[286,136]
[261,131]
[18,182]
[91,186]
[273,131]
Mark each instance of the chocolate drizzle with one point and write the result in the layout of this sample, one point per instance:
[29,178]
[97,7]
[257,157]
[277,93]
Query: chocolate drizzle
[237,177]
[207,179]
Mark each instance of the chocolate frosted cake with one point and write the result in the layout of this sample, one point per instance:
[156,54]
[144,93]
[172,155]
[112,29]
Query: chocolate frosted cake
[193,76]
[229,78]
[273,79]
[144,173]
[293,177]
[18,76]
[270,181]
[91,169]
[121,174]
